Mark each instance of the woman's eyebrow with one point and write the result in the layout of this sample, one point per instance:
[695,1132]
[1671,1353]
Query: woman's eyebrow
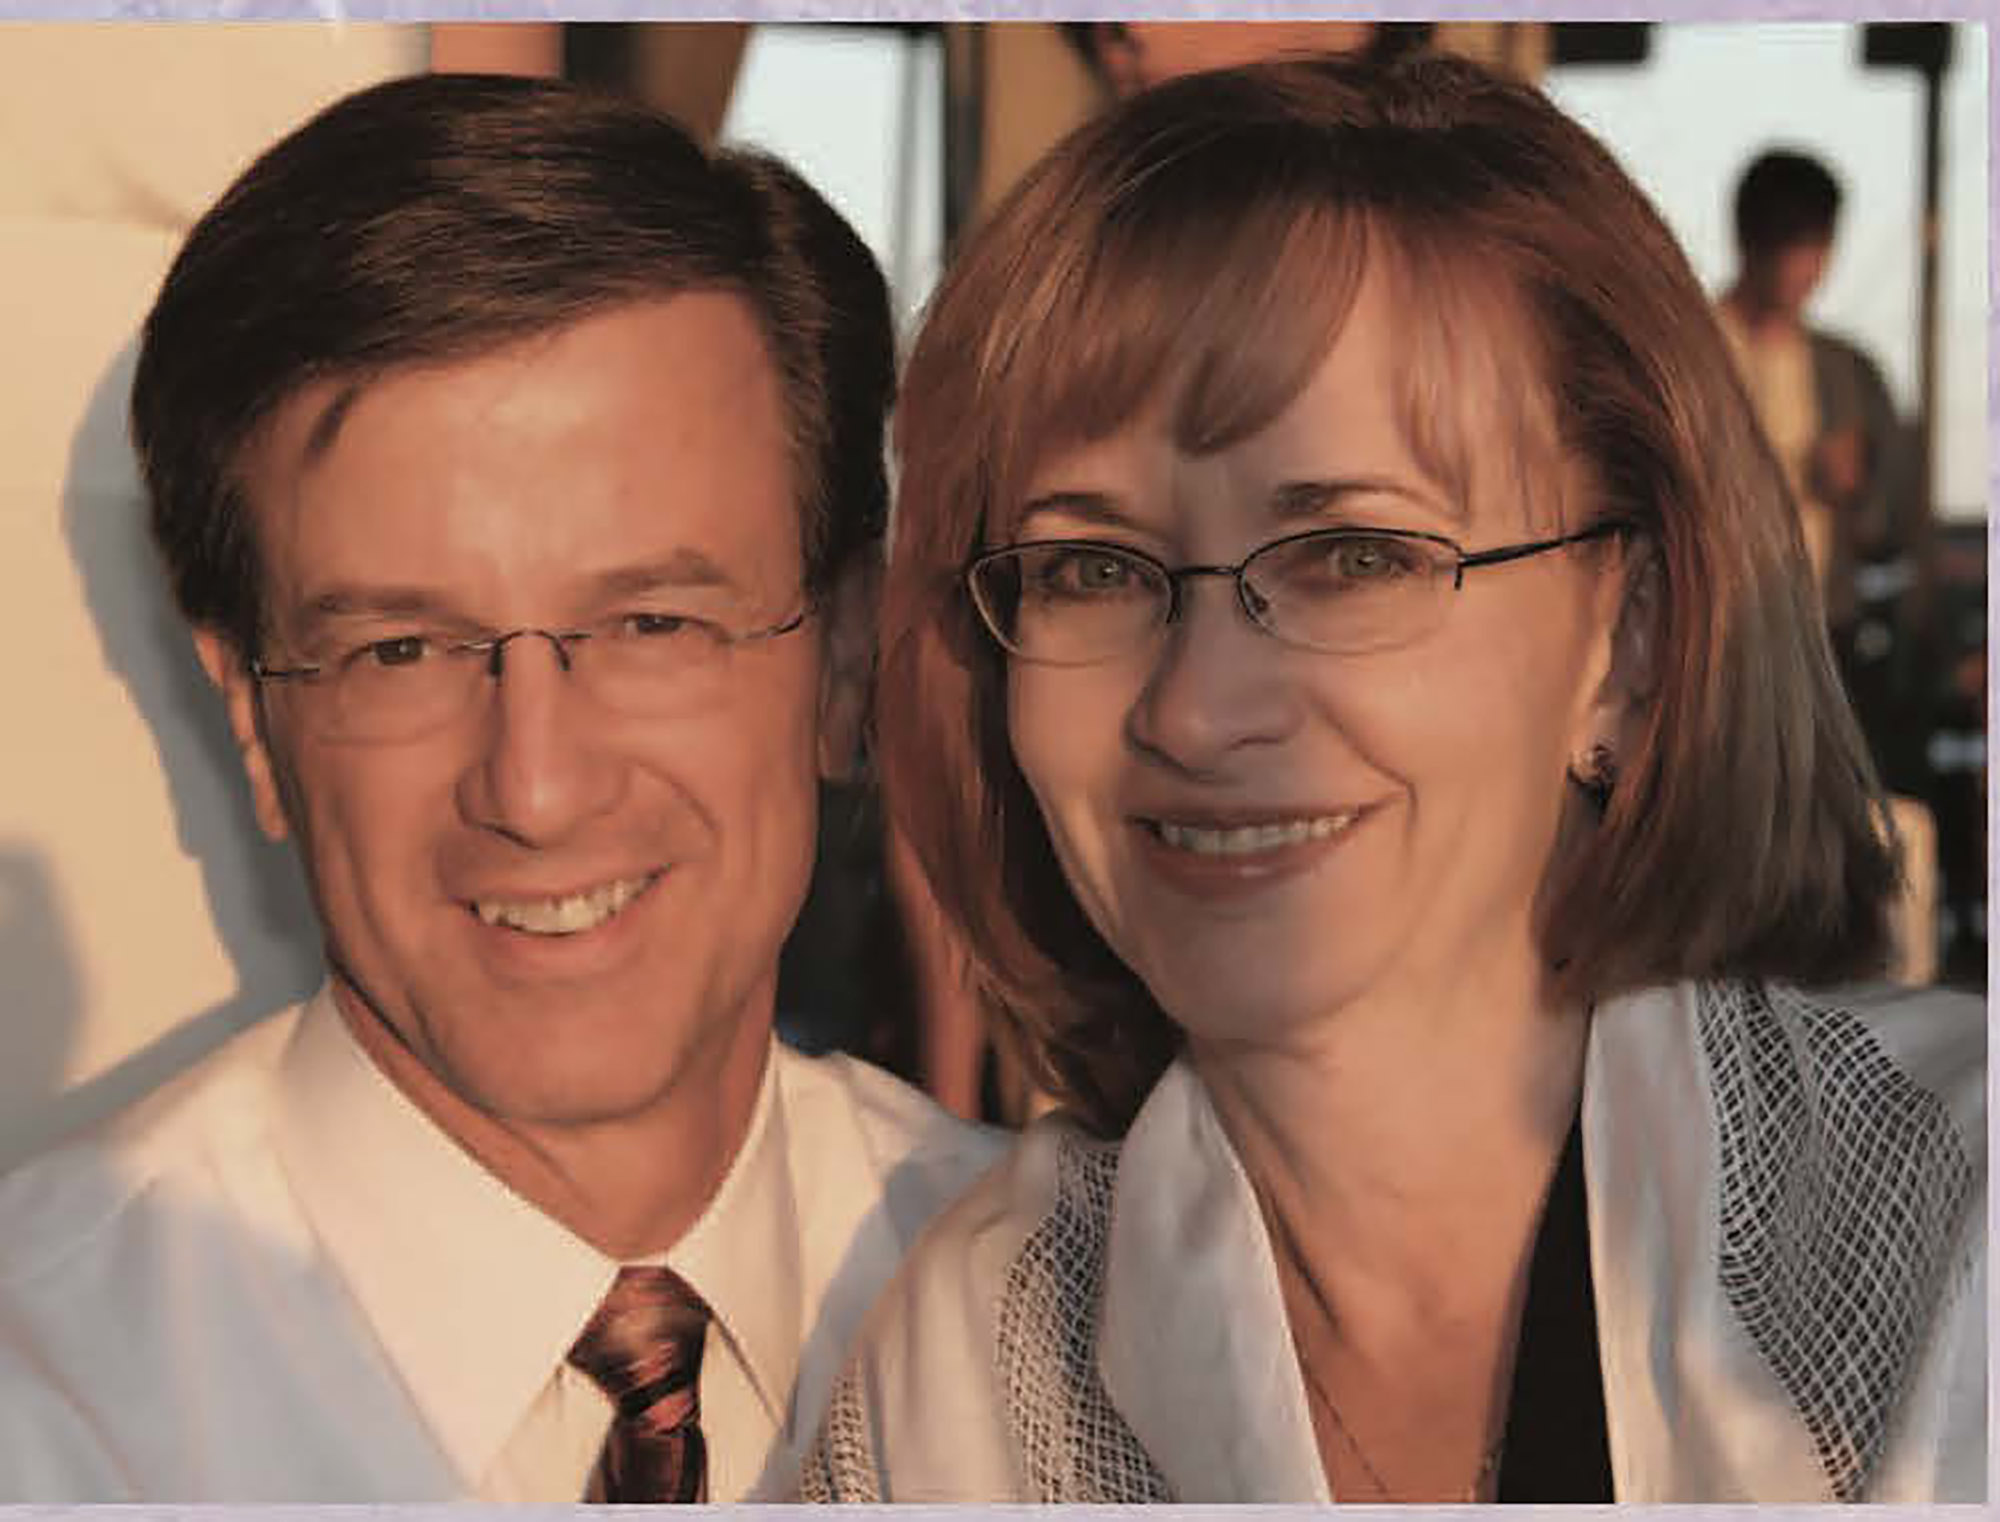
[1100,508]
[1296,500]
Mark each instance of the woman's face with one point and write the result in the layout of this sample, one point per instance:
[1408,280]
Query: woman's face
[1266,834]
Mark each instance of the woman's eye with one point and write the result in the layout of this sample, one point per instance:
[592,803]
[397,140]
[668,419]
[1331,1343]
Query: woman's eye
[1371,559]
[1087,573]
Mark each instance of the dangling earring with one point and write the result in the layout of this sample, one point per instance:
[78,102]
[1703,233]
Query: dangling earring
[1597,773]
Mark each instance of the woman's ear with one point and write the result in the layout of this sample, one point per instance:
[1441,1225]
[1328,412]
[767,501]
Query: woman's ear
[1636,637]
[1634,603]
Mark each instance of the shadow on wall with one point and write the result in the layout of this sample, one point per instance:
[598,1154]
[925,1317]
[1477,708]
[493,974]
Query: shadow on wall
[256,897]
[44,992]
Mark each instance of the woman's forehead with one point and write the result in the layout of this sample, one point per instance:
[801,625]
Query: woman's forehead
[1447,365]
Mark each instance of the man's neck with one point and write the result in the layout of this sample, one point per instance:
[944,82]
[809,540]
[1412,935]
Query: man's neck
[1762,321]
[631,1184]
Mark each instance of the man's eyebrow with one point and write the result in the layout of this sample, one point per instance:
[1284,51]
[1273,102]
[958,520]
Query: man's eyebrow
[344,600]
[682,568]
[358,600]
[1094,507]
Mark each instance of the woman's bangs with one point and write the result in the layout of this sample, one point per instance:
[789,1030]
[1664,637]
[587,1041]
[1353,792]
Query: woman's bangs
[1472,392]
[1227,304]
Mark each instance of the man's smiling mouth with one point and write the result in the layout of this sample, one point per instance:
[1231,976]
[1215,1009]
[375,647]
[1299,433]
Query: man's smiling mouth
[571,914]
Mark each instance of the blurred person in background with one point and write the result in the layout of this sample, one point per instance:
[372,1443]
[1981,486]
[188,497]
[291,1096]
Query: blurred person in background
[1353,678]
[1129,56]
[1828,414]
[1821,399]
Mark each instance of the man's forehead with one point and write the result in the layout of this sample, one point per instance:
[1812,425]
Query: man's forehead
[658,437]
[305,424]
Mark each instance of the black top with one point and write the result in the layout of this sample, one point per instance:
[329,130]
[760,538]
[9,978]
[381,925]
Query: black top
[1555,1447]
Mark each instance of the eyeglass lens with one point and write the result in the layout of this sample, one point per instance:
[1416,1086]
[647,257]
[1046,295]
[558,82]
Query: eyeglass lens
[1337,591]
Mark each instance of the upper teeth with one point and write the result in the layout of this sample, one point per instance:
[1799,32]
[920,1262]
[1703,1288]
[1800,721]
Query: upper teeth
[1254,837]
[562,916]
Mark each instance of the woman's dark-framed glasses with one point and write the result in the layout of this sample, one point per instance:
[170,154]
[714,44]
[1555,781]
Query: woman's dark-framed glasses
[1340,591]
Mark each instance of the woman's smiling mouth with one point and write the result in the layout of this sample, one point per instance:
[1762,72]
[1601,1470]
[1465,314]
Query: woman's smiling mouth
[1251,839]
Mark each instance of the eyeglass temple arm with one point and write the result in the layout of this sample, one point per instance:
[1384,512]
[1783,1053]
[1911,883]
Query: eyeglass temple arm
[1535,547]
[263,673]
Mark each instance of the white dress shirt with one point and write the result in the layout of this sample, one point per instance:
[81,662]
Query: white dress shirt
[277,1280]
[1787,1213]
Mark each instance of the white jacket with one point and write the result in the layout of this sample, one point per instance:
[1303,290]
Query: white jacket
[1787,1207]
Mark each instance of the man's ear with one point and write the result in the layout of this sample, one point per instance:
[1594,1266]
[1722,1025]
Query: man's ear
[847,666]
[229,669]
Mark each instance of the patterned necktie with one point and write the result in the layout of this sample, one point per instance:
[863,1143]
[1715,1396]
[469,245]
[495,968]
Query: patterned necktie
[643,1349]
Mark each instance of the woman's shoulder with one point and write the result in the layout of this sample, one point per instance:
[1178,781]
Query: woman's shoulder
[1055,1177]
[920,1413]
[1824,1151]
[1872,1052]
[1891,1059]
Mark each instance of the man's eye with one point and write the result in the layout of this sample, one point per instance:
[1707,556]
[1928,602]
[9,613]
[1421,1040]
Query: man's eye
[651,628]
[655,625]
[387,654]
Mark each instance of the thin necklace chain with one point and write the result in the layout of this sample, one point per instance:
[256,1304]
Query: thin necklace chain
[1489,1460]
[1487,1464]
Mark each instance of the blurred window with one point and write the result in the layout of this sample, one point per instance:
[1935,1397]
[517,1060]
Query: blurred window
[1711,97]
[858,109]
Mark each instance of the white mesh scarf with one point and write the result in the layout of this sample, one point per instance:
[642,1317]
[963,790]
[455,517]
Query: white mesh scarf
[1843,1201]
[1844,1187]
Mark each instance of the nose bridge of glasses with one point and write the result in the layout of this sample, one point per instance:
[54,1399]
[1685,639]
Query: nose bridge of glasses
[562,642]
[1248,598]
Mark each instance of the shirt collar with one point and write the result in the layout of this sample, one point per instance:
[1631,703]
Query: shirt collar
[476,1294]
[742,1255]
[1188,1251]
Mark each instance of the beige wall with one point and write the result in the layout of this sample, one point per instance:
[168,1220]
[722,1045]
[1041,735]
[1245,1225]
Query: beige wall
[140,917]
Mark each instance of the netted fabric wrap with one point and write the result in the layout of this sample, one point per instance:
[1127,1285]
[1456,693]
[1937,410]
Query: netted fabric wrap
[840,1466]
[1070,1444]
[1844,1186]
[1073,1445]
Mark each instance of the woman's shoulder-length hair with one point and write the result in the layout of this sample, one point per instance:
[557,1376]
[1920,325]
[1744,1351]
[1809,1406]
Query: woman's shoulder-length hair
[1209,236]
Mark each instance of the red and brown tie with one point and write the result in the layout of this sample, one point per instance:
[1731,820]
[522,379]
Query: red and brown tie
[643,1348]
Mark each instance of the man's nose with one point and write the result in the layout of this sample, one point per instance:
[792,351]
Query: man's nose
[542,769]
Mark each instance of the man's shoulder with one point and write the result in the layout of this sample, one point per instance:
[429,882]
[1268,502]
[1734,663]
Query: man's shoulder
[1846,362]
[61,1201]
[853,1115]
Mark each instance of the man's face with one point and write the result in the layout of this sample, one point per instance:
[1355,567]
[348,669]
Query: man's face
[1785,277]
[562,908]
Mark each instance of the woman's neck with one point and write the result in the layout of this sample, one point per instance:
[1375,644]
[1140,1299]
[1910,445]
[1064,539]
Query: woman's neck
[1401,1154]
[1405,1144]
